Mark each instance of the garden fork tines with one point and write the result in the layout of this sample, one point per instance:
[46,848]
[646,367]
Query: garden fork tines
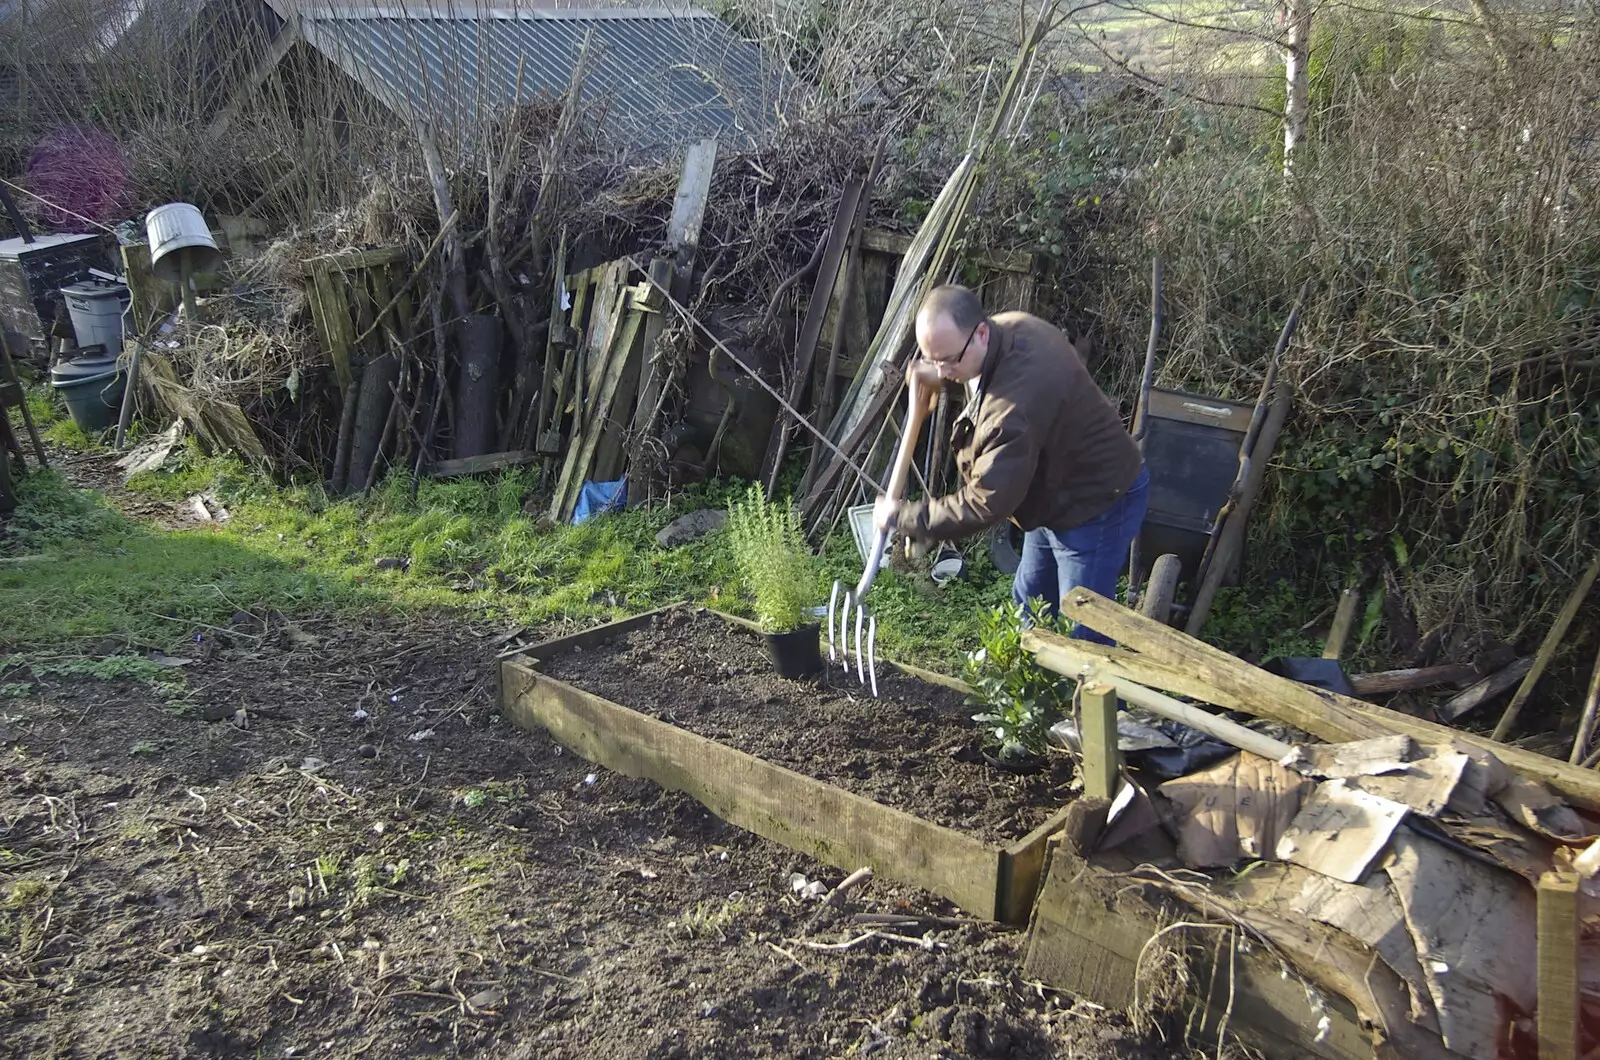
[847,604]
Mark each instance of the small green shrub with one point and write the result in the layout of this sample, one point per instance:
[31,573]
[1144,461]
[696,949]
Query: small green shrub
[1021,699]
[774,562]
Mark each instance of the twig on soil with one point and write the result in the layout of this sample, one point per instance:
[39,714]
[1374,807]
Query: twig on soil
[855,879]
[779,949]
[839,947]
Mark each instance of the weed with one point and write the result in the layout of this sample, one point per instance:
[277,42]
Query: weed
[708,919]
[328,869]
[15,689]
[144,749]
[26,892]
[474,799]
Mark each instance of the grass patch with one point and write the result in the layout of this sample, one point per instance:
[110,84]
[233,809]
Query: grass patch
[79,569]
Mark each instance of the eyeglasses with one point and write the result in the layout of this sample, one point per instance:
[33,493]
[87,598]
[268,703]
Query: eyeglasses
[937,361]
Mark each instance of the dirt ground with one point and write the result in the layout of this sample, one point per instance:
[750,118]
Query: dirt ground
[359,857]
[915,748]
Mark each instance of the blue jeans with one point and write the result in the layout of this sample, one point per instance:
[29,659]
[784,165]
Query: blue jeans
[1092,555]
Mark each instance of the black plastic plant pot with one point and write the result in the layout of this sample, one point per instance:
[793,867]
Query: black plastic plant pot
[797,653]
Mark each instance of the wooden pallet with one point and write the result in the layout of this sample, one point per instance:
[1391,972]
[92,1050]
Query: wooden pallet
[802,813]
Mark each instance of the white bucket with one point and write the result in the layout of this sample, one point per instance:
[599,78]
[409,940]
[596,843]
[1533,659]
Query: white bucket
[177,231]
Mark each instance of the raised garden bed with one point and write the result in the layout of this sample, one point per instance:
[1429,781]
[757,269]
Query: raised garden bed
[687,698]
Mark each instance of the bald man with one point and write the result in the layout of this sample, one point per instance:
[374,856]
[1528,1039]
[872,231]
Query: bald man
[1038,443]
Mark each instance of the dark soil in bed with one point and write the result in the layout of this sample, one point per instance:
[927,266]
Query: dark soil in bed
[916,748]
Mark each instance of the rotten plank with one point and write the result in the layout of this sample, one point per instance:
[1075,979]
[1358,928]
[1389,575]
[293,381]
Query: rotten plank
[1412,679]
[472,465]
[1494,685]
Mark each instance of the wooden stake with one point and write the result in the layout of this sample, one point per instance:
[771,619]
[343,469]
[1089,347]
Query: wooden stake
[1558,966]
[1097,729]
[1141,410]
[1547,650]
[1231,537]
[1591,709]
[27,417]
[1344,620]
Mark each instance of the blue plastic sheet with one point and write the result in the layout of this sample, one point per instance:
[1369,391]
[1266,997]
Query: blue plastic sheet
[597,498]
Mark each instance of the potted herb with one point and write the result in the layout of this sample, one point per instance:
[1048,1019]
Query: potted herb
[780,571]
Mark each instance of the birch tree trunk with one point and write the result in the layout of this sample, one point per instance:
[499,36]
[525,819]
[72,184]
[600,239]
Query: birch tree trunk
[1296,57]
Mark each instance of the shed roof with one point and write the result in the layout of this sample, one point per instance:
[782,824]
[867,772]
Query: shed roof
[667,76]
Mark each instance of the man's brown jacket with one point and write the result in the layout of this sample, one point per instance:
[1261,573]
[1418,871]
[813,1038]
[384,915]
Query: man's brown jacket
[1040,444]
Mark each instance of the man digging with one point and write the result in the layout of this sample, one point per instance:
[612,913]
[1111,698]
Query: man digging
[1038,443]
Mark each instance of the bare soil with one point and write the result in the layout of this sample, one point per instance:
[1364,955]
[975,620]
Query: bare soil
[360,858]
[915,748]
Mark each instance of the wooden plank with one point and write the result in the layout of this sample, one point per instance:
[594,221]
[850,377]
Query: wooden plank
[1175,662]
[1559,1012]
[1022,870]
[1384,682]
[694,191]
[896,244]
[601,432]
[1340,830]
[1091,928]
[837,242]
[1200,409]
[826,822]
[1547,650]
[619,412]
[1097,725]
[472,465]
[1473,927]
[355,260]
[1494,685]
[1344,620]
[651,387]
[591,414]
[330,311]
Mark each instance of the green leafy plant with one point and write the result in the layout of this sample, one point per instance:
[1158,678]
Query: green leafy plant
[1021,699]
[774,562]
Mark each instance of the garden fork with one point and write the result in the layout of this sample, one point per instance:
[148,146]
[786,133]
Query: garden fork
[847,605]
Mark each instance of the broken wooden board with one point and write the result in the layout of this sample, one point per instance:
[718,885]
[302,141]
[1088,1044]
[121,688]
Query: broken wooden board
[1091,928]
[1490,687]
[1473,927]
[1236,810]
[1340,830]
[803,813]
[472,465]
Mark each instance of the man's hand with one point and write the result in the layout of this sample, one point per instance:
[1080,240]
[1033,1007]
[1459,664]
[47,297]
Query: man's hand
[885,513]
[919,373]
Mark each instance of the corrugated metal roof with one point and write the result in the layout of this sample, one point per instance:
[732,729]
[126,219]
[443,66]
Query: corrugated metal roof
[666,77]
